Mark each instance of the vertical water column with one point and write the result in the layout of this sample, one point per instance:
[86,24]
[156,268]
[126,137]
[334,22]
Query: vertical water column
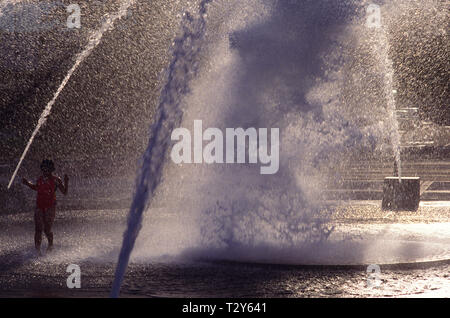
[182,69]
[382,53]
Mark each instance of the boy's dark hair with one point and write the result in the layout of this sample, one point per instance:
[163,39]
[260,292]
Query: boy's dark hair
[48,164]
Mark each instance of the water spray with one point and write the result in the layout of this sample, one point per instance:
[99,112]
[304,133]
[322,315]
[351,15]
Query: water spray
[94,40]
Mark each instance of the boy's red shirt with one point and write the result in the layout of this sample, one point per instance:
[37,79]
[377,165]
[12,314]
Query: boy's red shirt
[46,192]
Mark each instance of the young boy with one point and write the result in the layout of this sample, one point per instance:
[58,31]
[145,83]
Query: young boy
[44,214]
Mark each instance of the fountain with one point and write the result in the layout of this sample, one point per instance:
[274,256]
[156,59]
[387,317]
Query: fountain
[283,211]
[308,70]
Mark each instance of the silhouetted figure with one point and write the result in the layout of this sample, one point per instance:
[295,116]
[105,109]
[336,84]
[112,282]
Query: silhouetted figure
[44,214]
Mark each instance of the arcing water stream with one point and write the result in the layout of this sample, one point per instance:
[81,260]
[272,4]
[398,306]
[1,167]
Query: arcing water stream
[94,40]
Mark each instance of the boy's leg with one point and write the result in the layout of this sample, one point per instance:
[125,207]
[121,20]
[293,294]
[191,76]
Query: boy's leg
[38,227]
[49,217]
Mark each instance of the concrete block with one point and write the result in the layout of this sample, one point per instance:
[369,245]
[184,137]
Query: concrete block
[404,195]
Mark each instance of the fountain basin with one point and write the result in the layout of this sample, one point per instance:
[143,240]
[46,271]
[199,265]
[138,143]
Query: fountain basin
[404,195]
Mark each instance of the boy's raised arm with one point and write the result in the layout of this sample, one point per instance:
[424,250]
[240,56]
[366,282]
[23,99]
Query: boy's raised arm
[29,184]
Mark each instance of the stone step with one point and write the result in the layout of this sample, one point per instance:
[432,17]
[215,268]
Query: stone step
[353,194]
[378,184]
[406,166]
[436,196]
[345,194]
[357,184]
[380,177]
[440,185]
